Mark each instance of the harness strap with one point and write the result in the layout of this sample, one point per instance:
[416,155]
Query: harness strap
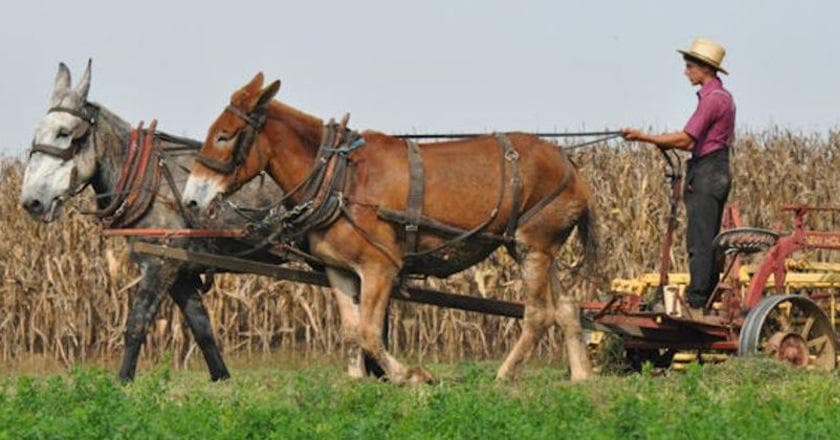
[137,171]
[87,117]
[310,185]
[370,238]
[564,183]
[414,204]
[503,156]
[242,115]
[129,165]
[216,165]
[65,154]
[176,193]
[328,202]
[143,188]
[512,156]
[244,140]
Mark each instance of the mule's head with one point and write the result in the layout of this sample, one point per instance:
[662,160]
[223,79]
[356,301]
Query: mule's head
[62,159]
[236,149]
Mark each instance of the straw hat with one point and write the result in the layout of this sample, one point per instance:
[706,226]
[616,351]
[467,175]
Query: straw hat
[707,51]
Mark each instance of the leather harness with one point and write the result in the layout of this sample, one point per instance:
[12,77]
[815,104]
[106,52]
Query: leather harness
[139,179]
[87,115]
[323,191]
[414,205]
[254,123]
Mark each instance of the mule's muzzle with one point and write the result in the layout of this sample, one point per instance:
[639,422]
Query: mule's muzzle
[196,210]
[40,209]
[34,207]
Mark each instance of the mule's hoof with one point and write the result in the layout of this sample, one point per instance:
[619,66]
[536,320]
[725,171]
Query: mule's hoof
[507,374]
[505,378]
[582,376]
[419,375]
[355,372]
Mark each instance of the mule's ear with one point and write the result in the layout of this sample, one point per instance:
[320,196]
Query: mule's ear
[83,86]
[268,94]
[255,84]
[62,83]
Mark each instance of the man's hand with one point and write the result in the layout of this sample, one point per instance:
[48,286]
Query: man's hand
[631,134]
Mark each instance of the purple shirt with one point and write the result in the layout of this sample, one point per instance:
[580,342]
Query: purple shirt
[712,126]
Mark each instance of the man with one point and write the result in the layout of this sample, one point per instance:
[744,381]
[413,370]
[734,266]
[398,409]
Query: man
[708,135]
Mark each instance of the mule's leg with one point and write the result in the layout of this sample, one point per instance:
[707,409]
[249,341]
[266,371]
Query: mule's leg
[185,293]
[568,317]
[375,294]
[371,366]
[345,289]
[539,311]
[154,283]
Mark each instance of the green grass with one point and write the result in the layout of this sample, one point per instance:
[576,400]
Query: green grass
[737,399]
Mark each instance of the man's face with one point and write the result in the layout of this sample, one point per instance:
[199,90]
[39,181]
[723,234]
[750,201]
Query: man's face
[696,72]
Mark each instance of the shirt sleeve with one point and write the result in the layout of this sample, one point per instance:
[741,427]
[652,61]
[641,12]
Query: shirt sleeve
[707,112]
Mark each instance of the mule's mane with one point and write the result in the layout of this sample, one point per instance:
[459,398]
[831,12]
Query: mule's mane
[307,126]
[123,127]
[108,120]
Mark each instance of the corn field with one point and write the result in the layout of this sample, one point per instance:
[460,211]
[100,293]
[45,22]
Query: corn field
[66,290]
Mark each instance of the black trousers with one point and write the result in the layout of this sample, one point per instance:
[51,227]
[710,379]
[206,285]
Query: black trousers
[707,185]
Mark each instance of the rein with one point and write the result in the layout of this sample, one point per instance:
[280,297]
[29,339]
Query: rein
[603,136]
[323,201]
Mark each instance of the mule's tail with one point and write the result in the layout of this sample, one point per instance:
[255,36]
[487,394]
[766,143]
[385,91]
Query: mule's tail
[588,235]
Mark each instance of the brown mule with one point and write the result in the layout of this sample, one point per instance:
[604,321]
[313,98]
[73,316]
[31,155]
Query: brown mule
[513,189]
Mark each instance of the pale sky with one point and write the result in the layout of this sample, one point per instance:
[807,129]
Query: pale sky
[424,66]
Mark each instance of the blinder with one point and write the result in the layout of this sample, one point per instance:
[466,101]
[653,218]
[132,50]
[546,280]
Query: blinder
[255,121]
[87,116]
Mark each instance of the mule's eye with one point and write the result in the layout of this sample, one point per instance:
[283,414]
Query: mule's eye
[222,137]
[63,133]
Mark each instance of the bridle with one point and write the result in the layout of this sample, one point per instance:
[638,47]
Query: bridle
[255,121]
[87,116]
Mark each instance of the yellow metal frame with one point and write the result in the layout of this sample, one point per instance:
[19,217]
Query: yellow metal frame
[799,274]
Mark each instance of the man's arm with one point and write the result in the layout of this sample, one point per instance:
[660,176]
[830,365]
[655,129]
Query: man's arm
[679,140]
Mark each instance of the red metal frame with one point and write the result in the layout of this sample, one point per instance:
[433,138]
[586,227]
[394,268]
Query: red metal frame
[171,233]
[648,330]
[800,239]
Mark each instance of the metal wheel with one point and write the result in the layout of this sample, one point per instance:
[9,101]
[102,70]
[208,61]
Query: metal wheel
[790,328]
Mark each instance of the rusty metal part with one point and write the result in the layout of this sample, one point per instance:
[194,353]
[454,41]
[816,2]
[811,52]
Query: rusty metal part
[800,239]
[788,347]
[779,325]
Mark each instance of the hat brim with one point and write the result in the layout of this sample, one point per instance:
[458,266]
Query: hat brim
[704,60]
